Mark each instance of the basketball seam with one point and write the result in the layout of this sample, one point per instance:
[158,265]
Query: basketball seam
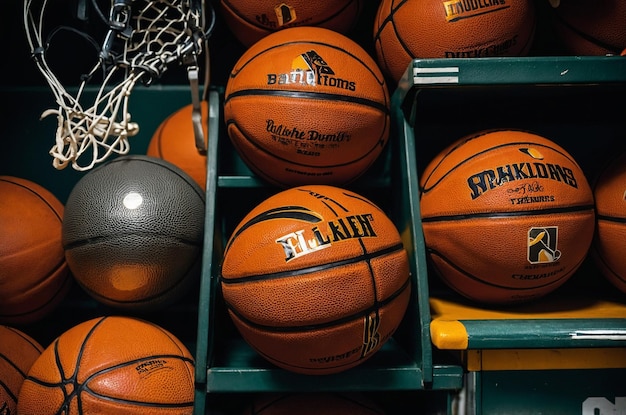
[84,387]
[489,283]
[311,327]
[284,212]
[368,66]
[66,281]
[59,215]
[312,95]
[425,189]
[53,270]
[591,39]
[37,347]
[353,196]
[372,275]
[517,213]
[612,219]
[602,259]
[405,47]
[324,369]
[253,23]
[79,388]
[5,387]
[59,366]
[138,403]
[458,144]
[6,359]
[273,359]
[255,166]
[365,256]
[98,239]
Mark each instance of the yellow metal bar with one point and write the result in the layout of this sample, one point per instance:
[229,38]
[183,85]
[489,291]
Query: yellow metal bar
[587,308]
[545,359]
[448,335]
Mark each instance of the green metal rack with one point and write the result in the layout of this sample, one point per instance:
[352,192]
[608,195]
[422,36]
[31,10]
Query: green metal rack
[403,364]
[225,364]
[566,352]
[578,101]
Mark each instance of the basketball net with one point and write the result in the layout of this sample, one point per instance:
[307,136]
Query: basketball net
[143,39]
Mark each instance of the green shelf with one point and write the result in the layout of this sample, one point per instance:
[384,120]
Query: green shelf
[570,99]
[403,363]
[565,351]
[510,71]
[576,101]
[224,363]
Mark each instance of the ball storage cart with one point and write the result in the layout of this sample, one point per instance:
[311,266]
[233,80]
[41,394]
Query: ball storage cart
[403,374]
[565,353]
[403,366]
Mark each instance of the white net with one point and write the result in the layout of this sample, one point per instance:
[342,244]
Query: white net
[144,39]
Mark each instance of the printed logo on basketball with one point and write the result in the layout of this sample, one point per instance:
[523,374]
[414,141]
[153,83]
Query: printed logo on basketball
[305,241]
[457,10]
[527,193]
[371,336]
[542,245]
[335,358]
[307,142]
[281,131]
[489,179]
[497,49]
[532,152]
[465,9]
[285,14]
[310,69]
[146,369]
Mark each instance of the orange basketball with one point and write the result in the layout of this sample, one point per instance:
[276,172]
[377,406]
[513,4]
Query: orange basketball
[316,279]
[608,248]
[307,105]
[313,403]
[18,352]
[174,141]
[111,365]
[34,276]
[591,27]
[250,21]
[404,30]
[508,216]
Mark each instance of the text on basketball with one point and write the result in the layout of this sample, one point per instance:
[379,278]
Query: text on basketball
[463,9]
[305,241]
[279,131]
[481,182]
[310,69]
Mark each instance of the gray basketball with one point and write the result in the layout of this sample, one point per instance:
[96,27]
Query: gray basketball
[133,231]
